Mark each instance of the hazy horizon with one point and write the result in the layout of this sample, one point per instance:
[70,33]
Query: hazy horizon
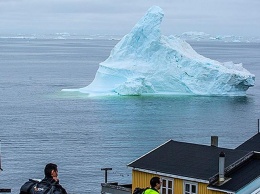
[117,17]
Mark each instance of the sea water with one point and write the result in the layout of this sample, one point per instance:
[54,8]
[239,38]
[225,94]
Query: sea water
[41,124]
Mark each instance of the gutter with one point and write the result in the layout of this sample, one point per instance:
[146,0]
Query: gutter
[172,176]
[226,191]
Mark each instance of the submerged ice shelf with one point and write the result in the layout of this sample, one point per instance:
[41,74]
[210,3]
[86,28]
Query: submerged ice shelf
[146,62]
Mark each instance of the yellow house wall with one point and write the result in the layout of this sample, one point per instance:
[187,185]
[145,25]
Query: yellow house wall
[142,180]
[178,186]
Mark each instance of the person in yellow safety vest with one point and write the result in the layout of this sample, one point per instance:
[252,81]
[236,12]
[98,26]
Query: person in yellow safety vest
[155,183]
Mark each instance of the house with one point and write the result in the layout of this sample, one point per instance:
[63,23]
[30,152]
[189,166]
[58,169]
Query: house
[187,168]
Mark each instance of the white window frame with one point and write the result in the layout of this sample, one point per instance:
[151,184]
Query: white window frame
[191,184]
[167,185]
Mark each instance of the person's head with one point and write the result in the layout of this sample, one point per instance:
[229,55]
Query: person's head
[155,182]
[51,170]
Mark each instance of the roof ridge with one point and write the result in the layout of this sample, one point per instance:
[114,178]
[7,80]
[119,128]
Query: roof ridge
[233,165]
[151,151]
[182,142]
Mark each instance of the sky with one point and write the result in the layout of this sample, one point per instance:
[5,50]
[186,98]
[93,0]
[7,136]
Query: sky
[117,17]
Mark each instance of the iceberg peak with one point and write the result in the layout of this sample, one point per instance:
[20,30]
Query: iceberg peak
[149,25]
[146,62]
[146,31]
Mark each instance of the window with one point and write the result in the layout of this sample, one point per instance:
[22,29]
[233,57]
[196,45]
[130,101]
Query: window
[190,188]
[167,186]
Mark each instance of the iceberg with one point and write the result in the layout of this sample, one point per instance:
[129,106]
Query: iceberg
[146,62]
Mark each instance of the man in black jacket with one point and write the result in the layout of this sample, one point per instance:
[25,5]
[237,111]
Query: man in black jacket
[49,185]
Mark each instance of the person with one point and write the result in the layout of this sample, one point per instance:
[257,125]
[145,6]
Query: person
[50,183]
[155,184]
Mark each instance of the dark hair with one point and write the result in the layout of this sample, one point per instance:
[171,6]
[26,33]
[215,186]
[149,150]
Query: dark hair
[154,181]
[48,168]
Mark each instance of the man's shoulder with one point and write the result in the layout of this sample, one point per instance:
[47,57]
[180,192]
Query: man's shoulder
[59,189]
[51,186]
[151,191]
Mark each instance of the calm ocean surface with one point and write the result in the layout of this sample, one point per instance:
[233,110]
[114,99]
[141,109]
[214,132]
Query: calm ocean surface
[41,124]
